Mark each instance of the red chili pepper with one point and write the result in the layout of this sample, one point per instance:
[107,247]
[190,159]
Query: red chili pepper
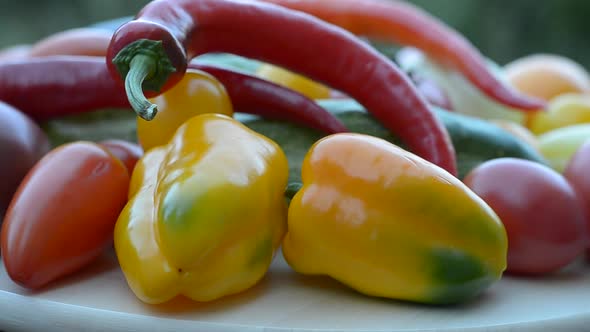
[12,52]
[55,86]
[404,23]
[253,95]
[76,41]
[151,52]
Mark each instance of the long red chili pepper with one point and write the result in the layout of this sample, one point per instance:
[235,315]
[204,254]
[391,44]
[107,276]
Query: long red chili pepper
[54,86]
[404,23]
[49,87]
[252,95]
[76,41]
[152,52]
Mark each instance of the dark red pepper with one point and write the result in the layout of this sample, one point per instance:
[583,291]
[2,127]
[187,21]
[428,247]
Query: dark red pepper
[253,95]
[404,23]
[55,86]
[152,51]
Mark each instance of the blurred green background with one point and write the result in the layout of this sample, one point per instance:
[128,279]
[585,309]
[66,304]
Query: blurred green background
[502,29]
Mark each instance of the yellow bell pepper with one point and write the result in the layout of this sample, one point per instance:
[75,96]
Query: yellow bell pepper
[197,93]
[295,82]
[206,212]
[390,224]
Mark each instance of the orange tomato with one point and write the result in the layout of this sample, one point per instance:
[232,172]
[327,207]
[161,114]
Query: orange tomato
[547,75]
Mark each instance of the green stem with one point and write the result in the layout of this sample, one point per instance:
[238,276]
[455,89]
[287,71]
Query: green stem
[140,68]
[292,189]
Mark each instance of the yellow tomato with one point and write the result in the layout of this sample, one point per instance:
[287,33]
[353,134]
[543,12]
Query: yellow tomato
[563,110]
[197,93]
[296,82]
[559,145]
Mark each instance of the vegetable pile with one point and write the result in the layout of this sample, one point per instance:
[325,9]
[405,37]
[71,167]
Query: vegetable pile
[201,138]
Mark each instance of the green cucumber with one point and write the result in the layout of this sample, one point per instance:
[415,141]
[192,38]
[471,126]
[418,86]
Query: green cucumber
[92,126]
[475,140]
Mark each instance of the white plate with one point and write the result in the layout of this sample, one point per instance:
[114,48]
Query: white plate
[98,299]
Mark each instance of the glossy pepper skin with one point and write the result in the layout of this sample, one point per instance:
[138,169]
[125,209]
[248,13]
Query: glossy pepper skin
[206,212]
[404,23]
[210,89]
[66,85]
[52,86]
[252,95]
[197,93]
[151,53]
[390,224]
[301,84]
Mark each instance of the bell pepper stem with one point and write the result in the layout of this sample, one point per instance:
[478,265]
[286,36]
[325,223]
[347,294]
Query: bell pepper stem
[140,68]
[292,189]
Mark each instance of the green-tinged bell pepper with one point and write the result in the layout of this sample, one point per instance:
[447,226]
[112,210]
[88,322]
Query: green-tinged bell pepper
[206,212]
[390,224]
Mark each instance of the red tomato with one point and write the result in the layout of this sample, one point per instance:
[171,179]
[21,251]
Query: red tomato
[63,214]
[129,153]
[544,219]
[576,172]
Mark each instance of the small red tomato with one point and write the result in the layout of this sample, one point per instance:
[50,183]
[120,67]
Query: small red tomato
[576,172]
[129,153]
[63,214]
[543,217]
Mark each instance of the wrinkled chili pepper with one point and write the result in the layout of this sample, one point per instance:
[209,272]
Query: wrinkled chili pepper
[152,51]
[404,23]
[55,86]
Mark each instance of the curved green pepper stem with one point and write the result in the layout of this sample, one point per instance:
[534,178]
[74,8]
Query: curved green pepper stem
[140,67]
[144,65]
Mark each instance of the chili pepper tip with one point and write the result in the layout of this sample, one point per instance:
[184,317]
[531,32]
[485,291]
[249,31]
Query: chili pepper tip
[140,68]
